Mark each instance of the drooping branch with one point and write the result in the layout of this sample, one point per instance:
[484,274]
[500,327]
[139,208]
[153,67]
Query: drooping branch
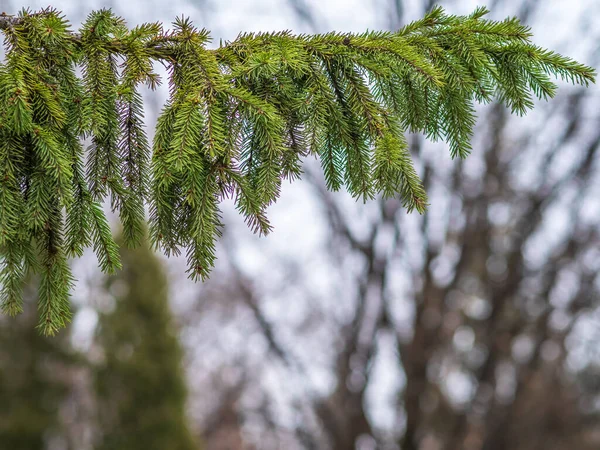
[238,121]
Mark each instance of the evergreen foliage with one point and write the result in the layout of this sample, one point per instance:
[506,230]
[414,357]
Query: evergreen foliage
[35,380]
[140,385]
[238,121]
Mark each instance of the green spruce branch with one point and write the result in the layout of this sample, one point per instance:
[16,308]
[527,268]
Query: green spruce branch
[239,119]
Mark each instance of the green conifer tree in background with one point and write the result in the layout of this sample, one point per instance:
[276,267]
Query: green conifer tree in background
[238,121]
[34,380]
[140,386]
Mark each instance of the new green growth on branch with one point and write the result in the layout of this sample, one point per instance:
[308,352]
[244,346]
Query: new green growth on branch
[238,121]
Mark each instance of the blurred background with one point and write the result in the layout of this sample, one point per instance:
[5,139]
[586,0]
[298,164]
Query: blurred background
[352,326]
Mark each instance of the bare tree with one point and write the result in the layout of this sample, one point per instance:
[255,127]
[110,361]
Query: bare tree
[479,311]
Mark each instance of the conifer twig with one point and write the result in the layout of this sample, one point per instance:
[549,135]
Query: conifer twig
[238,121]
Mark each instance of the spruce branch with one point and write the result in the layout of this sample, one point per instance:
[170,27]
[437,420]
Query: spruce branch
[238,121]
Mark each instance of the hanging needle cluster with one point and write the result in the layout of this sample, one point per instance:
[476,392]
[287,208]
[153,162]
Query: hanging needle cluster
[238,121]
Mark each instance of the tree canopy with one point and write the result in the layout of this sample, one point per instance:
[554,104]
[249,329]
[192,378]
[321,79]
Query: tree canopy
[140,385]
[238,121]
[31,395]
